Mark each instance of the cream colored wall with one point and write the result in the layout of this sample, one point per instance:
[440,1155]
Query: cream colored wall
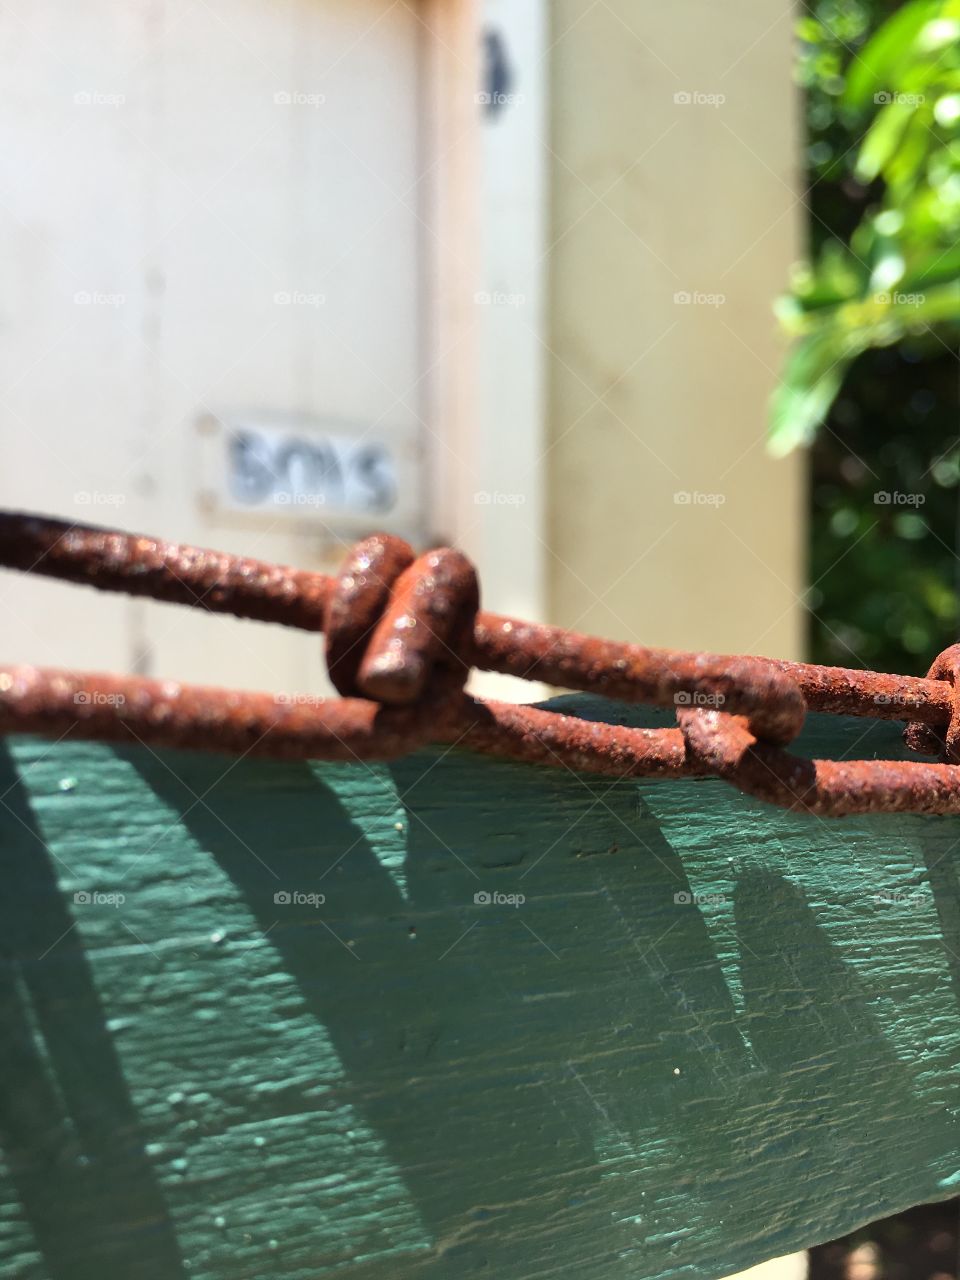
[177,180]
[485,382]
[650,397]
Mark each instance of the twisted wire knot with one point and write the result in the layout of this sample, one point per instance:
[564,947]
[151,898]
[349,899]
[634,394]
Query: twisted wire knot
[399,627]
[940,740]
[743,743]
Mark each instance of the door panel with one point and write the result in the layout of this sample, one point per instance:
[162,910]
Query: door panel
[209,210]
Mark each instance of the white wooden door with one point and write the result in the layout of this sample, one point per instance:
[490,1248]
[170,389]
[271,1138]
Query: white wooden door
[212,213]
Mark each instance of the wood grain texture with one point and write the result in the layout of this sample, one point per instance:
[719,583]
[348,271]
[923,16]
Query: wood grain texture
[602,1082]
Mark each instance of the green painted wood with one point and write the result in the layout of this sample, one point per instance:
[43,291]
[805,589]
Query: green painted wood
[606,1081]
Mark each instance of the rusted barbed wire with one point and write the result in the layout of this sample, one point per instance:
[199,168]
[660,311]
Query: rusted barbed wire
[402,634]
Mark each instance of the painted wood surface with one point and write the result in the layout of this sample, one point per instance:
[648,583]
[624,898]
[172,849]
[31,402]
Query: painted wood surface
[711,1032]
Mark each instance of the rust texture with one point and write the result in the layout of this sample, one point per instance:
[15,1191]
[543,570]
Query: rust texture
[402,634]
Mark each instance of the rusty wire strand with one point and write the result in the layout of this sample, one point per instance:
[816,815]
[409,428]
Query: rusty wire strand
[403,632]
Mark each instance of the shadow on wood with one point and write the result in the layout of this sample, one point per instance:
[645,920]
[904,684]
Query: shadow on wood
[70,1135]
[709,1033]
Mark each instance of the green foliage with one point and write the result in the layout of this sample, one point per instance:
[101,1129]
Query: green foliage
[885,574]
[880,376]
[893,271]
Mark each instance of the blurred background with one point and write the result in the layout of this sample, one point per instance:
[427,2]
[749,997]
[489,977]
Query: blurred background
[652,309]
[495,274]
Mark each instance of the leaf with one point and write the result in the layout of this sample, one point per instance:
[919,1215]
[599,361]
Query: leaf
[812,377]
[924,308]
[883,138]
[906,167]
[877,66]
[899,273]
[837,277]
[935,267]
